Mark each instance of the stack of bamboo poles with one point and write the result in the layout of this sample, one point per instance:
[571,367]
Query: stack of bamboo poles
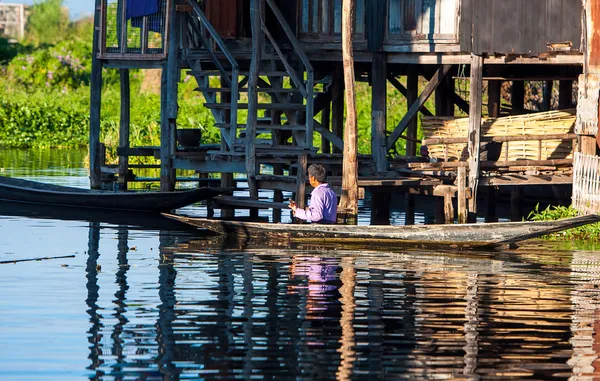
[586,183]
[543,123]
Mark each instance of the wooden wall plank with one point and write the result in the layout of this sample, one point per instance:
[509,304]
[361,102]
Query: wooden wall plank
[447,17]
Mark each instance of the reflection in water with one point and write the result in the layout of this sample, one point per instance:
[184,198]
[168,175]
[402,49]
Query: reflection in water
[266,313]
[162,306]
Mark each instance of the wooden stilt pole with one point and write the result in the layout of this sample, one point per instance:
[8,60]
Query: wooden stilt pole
[349,200]
[326,122]
[95,103]
[516,203]
[565,94]
[409,218]
[226,178]
[169,107]
[475,129]
[124,127]
[547,97]
[517,97]
[258,38]
[494,93]
[490,201]
[379,112]
[277,139]
[380,208]
[462,195]
[301,181]
[448,208]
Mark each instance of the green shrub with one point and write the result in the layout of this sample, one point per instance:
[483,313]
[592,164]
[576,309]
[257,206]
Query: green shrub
[551,213]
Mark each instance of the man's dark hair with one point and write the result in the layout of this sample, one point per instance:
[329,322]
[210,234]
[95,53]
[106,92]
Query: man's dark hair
[318,172]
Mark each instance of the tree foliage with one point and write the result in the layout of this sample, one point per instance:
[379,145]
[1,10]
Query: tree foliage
[47,23]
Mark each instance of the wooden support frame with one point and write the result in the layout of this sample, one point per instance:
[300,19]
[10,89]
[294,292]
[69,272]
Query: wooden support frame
[474,144]
[416,106]
[494,98]
[403,90]
[517,97]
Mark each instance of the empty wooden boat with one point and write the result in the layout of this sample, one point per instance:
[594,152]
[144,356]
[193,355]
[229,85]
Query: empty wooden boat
[464,235]
[32,192]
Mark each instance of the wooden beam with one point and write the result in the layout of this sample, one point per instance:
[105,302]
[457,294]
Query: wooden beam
[95,103]
[379,112]
[124,123]
[400,87]
[416,106]
[474,144]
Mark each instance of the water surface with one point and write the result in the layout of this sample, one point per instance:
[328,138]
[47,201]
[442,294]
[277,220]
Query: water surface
[161,301]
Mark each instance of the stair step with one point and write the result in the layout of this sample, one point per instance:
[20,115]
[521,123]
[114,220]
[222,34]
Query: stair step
[285,127]
[245,90]
[261,106]
[217,73]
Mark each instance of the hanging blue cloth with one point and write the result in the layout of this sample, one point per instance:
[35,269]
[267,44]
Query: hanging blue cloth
[139,8]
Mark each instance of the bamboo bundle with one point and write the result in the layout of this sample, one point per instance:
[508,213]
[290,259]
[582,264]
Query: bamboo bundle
[542,123]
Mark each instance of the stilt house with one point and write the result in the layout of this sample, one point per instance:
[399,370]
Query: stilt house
[289,52]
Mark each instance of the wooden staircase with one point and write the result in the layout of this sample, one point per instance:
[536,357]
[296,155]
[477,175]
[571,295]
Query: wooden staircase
[285,109]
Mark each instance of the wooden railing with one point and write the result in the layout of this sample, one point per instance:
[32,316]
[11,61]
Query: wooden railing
[141,38]
[306,89]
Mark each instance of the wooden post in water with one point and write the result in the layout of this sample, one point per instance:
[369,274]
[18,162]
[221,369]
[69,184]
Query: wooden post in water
[379,112]
[277,139]
[475,98]
[226,178]
[494,102]
[349,200]
[301,181]
[124,125]
[169,108]
[95,102]
[258,38]
[462,195]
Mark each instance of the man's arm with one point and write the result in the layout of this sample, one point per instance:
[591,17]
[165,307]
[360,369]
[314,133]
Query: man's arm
[314,212]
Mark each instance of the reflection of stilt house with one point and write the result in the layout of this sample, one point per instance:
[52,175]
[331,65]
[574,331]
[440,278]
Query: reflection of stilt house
[294,93]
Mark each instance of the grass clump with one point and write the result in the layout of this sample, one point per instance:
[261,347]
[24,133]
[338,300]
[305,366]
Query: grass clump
[585,233]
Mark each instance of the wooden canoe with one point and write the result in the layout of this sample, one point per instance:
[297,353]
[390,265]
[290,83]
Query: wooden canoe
[465,235]
[32,192]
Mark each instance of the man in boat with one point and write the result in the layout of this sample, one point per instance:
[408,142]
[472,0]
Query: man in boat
[323,201]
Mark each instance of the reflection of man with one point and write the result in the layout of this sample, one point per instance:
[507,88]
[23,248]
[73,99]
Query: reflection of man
[323,201]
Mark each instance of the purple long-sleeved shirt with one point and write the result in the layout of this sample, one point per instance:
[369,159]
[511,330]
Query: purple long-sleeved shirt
[323,206]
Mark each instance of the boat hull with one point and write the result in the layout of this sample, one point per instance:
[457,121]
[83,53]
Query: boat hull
[31,192]
[464,235]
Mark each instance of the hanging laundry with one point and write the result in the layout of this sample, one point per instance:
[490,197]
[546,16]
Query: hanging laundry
[139,8]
